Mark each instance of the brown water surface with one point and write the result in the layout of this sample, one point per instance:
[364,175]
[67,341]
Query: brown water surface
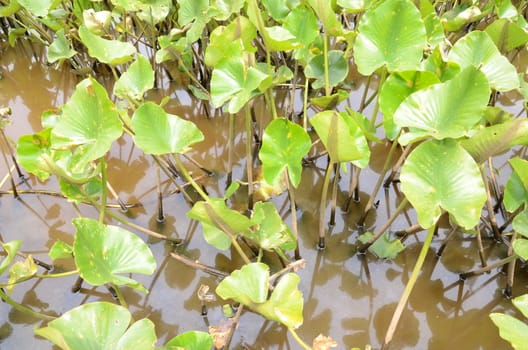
[347,296]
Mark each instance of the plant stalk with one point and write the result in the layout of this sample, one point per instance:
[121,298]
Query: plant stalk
[409,287]
[322,205]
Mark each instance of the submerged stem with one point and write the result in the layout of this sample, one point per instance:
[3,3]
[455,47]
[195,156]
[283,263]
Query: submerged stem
[298,339]
[409,287]
[22,308]
[249,158]
[322,205]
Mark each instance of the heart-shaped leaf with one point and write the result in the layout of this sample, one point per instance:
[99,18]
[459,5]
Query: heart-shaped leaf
[234,82]
[248,286]
[157,132]
[219,222]
[112,52]
[285,304]
[476,49]
[89,121]
[507,35]
[138,79]
[284,144]
[99,325]
[21,271]
[60,49]
[270,232]
[444,110]
[386,39]
[104,251]
[60,250]
[192,340]
[342,137]
[383,247]
[442,175]
[39,8]
[338,72]
[396,89]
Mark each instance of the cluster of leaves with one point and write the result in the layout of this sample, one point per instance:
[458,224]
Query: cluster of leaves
[433,93]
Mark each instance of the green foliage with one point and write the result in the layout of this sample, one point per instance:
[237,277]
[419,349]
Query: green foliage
[284,145]
[383,247]
[441,175]
[384,39]
[60,49]
[138,79]
[250,287]
[157,132]
[192,340]
[102,252]
[99,325]
[512,329]
[106,51]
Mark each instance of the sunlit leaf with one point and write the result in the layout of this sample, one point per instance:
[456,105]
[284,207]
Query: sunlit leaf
[103,252]
[112,52]
[11,248]
[284,144]
[433,26]
[192,340]
[248,286]
[383,247]
[520,247]
[97,22]
[386,39]
[496,139]
[29,151]
[302,24]
[456,18]
[21,271]
[86,192]
[234,82]
[193,12]
[39,8]
[89,121]
[157,132]
[435,63]
[60,49]
[354,6]
[336,74]
[442,175]
[270,231]
[60,250]
[285,304]
[222,9]
[512,330]
[325,13]
[216,219]
[521,303]
[341,137]
[396,89]
[478,50]
[99,325]
[516,190]
[447,110]
[138,79]
[507,35]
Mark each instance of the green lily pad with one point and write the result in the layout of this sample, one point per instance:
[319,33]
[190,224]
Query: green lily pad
[507,35]
[520,223]
[21,271]
[99,325]
[442,175]
[11,248]
[193,13]
[104,251]
[385,39]
[511,329]
[157,132]
[270,231]
[447,110]
[496,139]
[138,79]
[216,218]
[342,137]
[302,24]
[325,13]
[383,247]
[234,82]
[112,52]
[433,26]
[521,303]
[192,340]
[520,247]
[337,73]
[456,18]
[478,50]
[29,151]
[284,144]
[60,49]
[396,89]
[89,122]
[249,286]
[89,191]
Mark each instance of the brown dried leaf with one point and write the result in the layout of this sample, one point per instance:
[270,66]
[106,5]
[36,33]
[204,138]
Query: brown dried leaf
[221,333]
[322,342]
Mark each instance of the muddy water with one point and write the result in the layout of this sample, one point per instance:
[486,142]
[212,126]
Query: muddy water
[347,296]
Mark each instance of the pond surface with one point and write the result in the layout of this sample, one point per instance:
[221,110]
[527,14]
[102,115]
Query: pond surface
[348,296]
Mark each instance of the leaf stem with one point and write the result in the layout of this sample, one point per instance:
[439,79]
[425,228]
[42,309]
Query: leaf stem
[189,178]
[322,205]
[24,309]
[120,295]
[104,191]
[409,287]
[58,275]
[298,339]
[249,158]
